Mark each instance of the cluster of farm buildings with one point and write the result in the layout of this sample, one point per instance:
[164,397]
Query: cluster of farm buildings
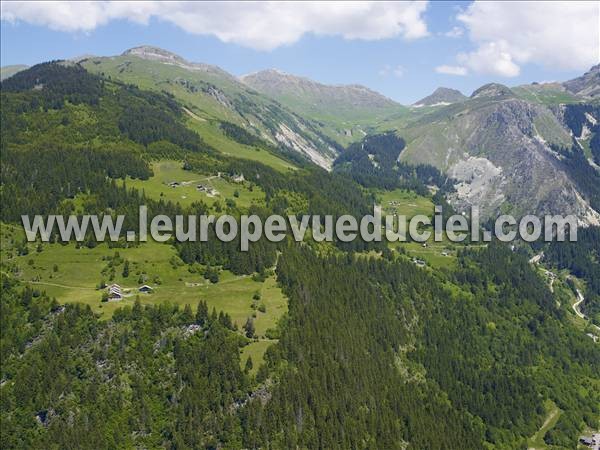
[208,190]
[115,292]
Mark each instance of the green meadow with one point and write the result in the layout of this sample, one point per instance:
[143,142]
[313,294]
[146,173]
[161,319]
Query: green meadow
[212,135]
[255,350]
[536,442]
[403,202]
[73,275]
[410,204]
[186,192]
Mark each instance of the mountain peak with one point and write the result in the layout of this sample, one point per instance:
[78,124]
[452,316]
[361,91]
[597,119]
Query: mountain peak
[275,72]
[491,90]
[441,96]
[274,75]
[153,53]
[9,71]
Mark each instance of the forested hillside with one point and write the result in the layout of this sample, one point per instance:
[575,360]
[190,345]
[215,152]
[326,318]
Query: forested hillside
[582,259]
[378,354]
[326,345]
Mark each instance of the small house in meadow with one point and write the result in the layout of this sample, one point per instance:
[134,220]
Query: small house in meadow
[145,289]
[114,293]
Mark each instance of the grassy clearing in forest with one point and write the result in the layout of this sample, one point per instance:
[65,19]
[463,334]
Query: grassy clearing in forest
[186,193]
[403,202]
[536,442]
[72,275]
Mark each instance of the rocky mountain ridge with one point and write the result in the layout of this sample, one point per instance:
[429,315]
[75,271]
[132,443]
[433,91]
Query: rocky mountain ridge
[587,85]
[507,154]
[529,149]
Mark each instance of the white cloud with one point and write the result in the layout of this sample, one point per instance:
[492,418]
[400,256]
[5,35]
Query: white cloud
[258,25]
[384,71]
[455,32]
[451,70]
[491,57]
[397,71]
[560,35]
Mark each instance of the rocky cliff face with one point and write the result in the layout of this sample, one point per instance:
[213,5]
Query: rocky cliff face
[502,152]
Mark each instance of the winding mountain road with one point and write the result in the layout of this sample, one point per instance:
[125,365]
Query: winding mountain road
[580,300]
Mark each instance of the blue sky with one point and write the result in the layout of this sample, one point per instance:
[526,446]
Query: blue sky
[401,61]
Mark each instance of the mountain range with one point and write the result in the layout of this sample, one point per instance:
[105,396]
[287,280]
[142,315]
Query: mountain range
[327,344]
[528,149]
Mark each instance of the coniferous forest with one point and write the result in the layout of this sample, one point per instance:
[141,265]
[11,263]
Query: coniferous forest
[372,352]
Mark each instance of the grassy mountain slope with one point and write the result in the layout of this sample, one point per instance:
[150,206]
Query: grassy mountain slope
[545,94]
[9,71]
[212,95]
[344,112]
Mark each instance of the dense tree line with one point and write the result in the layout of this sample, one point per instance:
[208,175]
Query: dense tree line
[576,117]
[374,353]
[54,83]
[582,259]
[586,177]
[240,135]
[260,257]
[140,379]
[37,182]
[148,117]
[491,367]
[373,162]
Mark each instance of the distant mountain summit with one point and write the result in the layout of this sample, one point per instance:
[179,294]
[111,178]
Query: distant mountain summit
[154,53]
[276,83]
[343,112]
[213,95]
[587,85]
[9,71]
[492,90]
[157,54]
[441,96]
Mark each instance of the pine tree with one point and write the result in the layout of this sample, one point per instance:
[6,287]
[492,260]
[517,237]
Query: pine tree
[249,328]
[248,366]
[126,269]
[187,316]
[202,313]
